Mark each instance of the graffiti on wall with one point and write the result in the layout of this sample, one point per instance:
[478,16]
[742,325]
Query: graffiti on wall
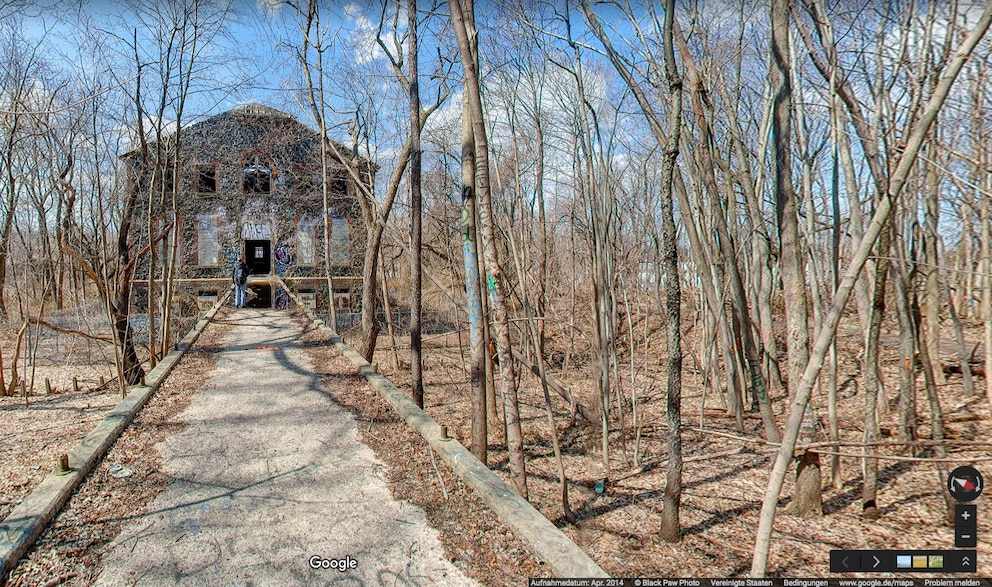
[284,259]
[282,299]
[305,240]
[256,231]
[231,256]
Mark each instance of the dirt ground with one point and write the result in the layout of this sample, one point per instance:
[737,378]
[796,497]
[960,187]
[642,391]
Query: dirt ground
[68,552]
[36,429]
[725,474]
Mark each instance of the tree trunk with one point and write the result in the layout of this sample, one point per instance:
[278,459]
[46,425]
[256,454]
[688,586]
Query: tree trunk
[985,217]
[861,253]
[807,499]
[962,350]
[470,255]
[416,211]
[151,213]
[932,299]
[873,381]
[464,31]
[836,235]
[907,343]
[937,432]
[10,201]
[671,529]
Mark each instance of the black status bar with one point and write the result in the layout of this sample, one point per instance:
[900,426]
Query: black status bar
[769,582]
[903,561]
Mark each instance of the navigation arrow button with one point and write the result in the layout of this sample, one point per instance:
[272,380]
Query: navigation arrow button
[877,562]
[844,562]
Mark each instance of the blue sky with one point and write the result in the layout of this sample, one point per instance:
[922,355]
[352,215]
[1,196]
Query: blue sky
[256,44]
[252,52]
[254,58]
[256,53]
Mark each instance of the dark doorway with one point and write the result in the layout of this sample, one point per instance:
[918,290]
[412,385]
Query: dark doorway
[258,257]
[259,296]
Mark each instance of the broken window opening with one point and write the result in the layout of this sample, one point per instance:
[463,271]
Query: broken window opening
[206,179]
[339,185]
[257,178]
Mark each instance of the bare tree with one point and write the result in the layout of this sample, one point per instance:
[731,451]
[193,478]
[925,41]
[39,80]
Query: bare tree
[913,142]
[20,63]
[416,211]
[669,141]
[464,31]
[807,498]
[671,529]
[470,255]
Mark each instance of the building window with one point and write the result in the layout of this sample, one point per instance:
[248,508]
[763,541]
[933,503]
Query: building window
[207,247]
[206,179]
[257,177]
[340,242]
[305,242]
[339,185]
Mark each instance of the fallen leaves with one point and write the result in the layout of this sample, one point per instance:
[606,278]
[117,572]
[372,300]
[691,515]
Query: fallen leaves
[69,550]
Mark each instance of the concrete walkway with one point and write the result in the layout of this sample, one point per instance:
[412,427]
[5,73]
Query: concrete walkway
[269,480]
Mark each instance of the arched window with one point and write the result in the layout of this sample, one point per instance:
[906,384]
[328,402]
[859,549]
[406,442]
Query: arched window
[257,177]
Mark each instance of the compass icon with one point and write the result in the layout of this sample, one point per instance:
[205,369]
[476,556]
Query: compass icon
[965,483]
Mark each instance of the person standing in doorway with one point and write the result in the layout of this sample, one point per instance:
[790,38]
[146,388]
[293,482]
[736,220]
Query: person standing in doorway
[240,278]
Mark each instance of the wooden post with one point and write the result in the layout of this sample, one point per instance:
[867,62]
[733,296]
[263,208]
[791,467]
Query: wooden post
[63,466]
[75,385]
[48,386]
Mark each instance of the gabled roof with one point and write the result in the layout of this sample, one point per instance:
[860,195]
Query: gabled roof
[255,109]
[257,112]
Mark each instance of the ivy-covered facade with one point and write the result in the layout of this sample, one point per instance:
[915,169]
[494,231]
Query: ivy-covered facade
[249,186]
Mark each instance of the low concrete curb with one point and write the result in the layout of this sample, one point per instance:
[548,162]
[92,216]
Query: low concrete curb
[545,540]
[28,520]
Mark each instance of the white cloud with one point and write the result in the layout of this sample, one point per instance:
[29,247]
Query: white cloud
[129,136]
[363,35]
[269,7]
[447,117]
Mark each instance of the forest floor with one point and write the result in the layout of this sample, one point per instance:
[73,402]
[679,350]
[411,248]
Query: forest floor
[724,475]
[70,549]
[36,429]
[725,472]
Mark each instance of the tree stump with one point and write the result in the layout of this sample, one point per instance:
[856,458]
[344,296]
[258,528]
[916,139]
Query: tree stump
[807,498]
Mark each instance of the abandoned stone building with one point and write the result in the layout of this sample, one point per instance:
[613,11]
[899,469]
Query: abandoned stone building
[250,186]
